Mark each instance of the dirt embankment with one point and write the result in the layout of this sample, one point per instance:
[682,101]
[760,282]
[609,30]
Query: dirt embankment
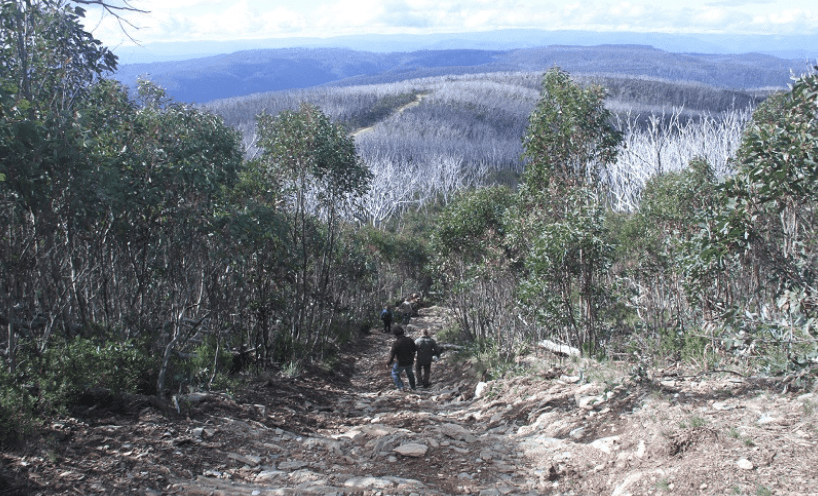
[564,428]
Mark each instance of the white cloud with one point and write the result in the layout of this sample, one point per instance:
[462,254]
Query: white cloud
[236,19]
[627,10]
[789,16]
[712,16]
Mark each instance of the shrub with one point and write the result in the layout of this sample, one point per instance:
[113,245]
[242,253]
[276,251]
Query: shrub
[757,260]
[68,369]
[207,366]
[17,418]
[492,361]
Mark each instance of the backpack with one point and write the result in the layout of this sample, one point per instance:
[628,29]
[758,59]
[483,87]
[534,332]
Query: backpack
[386,315]
[424,345]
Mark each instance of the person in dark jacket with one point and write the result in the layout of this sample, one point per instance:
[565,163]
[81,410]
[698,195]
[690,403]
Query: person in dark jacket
[386,317]
[406,311]
[403,356]
[426,349]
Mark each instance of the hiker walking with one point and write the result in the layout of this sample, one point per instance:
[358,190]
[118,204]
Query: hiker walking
[427,350]
[386,317]
[406,311]
[403,356]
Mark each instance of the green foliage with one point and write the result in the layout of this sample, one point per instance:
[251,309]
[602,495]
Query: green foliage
[565,262]
[770,202]
[764,233]
[49,61]
[672,206]
[652,259]
[491,360]
[172,157]
[401,249]
[140,215]
[557,228]
[671,201]
[312,158]
[208,365]
[17,414]
[472,224]
[450,334]
[693,422]
[292,369]
[470,263]
[68,369]
[570,137]
[762,490]
[305,148]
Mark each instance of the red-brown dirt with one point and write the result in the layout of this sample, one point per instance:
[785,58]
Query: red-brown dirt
[564,427]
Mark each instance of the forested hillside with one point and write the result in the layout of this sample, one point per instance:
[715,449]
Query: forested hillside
[256,71]
[151,247]
[467,130]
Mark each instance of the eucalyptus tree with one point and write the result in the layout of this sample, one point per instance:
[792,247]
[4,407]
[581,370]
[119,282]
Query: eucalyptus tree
[471,266]
[174,164]
[47,64]
[756,265]
[105,203]
[570,136]
[558,225]
[321,174]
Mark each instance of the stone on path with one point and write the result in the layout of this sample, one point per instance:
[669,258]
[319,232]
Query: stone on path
[590,402]
[250,460]
[292,465]
[458,433]
[416,450]
[369,482]
[268,476]
[480,389]
[605,444]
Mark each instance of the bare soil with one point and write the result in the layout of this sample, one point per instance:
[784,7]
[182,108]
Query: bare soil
[564,427]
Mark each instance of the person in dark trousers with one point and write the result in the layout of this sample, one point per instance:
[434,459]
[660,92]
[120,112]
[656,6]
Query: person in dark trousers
[386,317]
[406,311]
[403,356]
[426,349]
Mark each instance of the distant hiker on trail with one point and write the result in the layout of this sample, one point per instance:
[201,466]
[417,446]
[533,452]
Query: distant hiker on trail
[403,350]
[386,317]
[406,310]
[426,348]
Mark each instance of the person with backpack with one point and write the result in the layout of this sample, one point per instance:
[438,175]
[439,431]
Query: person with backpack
[406,311]
[402,355]
[426,350]
[386,317]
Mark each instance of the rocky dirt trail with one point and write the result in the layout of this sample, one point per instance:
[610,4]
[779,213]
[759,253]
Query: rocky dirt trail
[566,427]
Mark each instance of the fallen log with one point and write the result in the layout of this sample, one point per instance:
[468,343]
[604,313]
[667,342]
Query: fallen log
[559,349]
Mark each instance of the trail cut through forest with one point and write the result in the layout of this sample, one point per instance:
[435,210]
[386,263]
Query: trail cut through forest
[565,427]
[418,98]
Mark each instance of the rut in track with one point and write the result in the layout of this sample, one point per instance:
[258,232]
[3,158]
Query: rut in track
[572,427]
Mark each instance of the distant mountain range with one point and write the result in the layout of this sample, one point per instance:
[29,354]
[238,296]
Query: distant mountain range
[803,47]
[261,70]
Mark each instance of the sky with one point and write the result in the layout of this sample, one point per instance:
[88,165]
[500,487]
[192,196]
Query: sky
[218,20]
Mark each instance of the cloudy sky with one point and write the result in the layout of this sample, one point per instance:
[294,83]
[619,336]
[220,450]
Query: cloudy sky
[188,20]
